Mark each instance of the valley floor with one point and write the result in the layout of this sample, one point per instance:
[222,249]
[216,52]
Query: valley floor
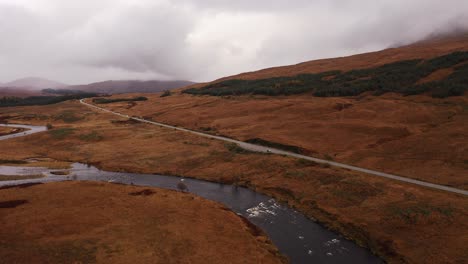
[400,222]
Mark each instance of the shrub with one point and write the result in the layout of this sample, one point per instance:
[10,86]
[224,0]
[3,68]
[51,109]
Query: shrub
[61,133]
[68,117]
[93,136]
[166,93]
[234,148]
[276,145]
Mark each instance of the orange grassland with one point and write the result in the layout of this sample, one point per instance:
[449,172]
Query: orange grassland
[90,222]
[400,222]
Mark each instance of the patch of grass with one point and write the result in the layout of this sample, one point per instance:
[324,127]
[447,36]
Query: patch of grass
[83,251]
[93,136]
[411,214]
[306,163]
[295,174]
[329,179]
[166,93]
[6,161]
[354,192]
[328,157]
[203,144]
[60,173]
[68,117]
[61,133]
[12,203]
[271,144]
[20,177]
[207,129]
[234,148]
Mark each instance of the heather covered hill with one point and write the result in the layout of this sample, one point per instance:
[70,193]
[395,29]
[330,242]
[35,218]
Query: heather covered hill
[440,76]
[426,49]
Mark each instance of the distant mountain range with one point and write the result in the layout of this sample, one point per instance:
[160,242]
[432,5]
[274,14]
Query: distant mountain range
[35,84]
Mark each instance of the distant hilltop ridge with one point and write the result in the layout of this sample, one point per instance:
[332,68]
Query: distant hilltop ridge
[110,87]
[130,86]
[34,83]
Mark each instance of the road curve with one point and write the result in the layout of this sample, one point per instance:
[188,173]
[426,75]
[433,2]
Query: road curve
[263,149]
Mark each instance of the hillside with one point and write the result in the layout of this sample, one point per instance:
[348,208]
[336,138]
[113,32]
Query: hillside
[34,83]
[430,48]
[18,92]
[416,69]
[416,136]
[130,86]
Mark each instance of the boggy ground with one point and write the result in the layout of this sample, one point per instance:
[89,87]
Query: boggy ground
[90,222]
[415,136]
[400,222]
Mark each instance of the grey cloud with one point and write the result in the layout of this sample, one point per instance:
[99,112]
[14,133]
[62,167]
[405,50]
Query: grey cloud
[84,41]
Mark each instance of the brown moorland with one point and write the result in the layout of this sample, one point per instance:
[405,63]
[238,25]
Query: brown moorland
[414,136]
[90,222]
[400,222]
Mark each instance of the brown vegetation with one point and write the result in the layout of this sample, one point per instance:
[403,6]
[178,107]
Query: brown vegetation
[387,216]
[10,130]
[415,136]
[19,177]
[84,222]
[421,50]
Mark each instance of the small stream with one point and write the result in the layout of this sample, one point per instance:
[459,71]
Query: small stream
[30,130]
[299,238]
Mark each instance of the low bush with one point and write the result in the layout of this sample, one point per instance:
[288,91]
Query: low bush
[61,133]
[166,93]
[271,144]
[93,136]
[234,148]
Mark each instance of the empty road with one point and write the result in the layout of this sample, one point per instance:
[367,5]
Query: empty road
[263,149]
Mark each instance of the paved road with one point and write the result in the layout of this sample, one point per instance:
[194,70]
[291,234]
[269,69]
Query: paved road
[30,130]
[263,149]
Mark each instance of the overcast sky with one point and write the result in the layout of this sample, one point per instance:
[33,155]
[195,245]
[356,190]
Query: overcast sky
[82,41]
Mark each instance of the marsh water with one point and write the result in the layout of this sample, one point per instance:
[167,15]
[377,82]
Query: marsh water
[29,130]
[301,239]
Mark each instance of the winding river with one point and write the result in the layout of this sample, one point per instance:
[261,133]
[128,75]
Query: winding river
[302,240]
